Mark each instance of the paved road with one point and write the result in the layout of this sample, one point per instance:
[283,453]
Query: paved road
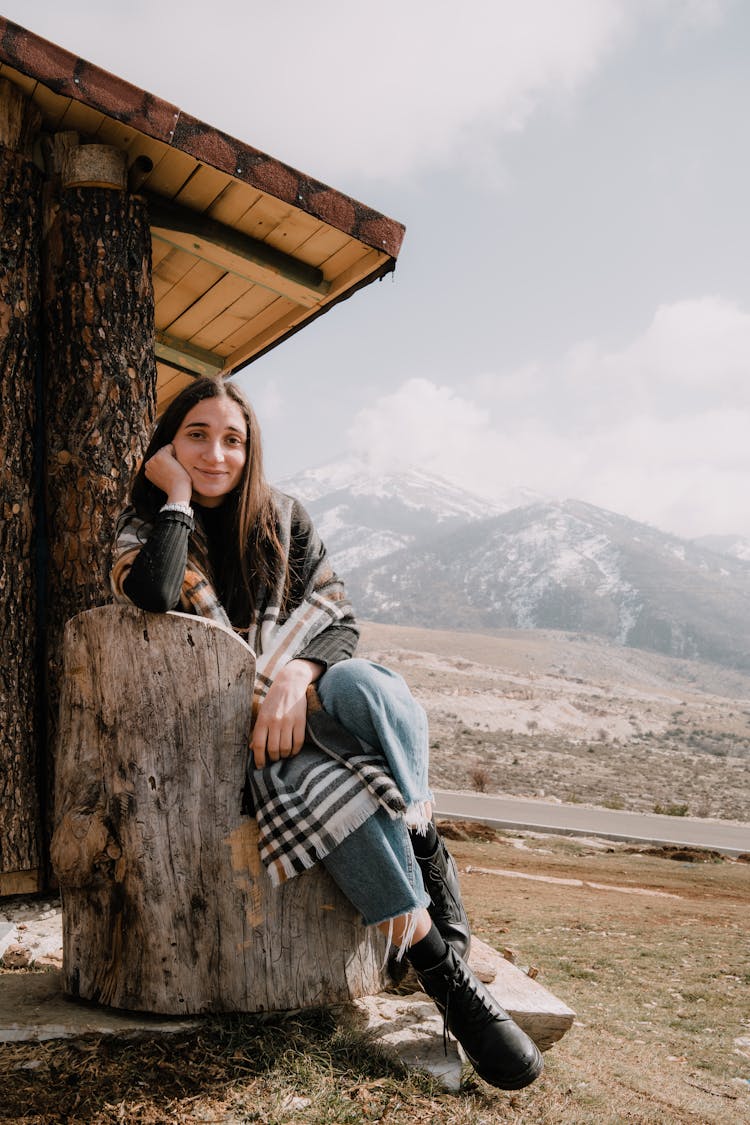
[728,837]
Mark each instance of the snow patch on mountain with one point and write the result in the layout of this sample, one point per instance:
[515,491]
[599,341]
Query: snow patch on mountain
[413,488]
[362,515]
[735,546]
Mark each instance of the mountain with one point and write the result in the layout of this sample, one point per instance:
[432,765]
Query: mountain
[569,566]
[417,550]
[363,515]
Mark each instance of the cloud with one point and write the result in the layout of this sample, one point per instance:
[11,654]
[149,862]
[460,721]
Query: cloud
[341,89]
[657,430]
[419,424]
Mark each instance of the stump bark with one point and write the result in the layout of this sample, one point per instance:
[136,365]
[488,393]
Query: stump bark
[166,907]
[20,232]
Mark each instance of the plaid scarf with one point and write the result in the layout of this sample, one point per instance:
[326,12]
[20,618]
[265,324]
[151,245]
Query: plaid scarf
[305,805]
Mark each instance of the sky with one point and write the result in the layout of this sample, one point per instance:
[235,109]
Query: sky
[570,312]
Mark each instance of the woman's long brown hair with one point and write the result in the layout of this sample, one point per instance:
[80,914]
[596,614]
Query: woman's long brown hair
[254,553]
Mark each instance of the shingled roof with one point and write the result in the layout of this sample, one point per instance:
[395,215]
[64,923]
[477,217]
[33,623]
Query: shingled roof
[246,250]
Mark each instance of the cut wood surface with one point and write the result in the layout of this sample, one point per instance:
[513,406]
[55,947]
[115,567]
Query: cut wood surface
[166,905]
[95,166]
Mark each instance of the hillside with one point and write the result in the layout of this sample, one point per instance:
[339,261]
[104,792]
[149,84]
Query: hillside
[573,718]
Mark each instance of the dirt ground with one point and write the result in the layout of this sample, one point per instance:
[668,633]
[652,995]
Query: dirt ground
[572,718]
[651,952]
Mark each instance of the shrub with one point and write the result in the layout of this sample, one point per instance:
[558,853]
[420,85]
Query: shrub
[614,802]
[671,810]
[479,778]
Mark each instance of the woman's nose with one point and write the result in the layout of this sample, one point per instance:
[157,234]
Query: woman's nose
[213,452]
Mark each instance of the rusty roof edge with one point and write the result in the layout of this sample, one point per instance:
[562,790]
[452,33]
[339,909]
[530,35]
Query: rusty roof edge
[70,76]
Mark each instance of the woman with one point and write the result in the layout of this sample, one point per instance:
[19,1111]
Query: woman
[205,532]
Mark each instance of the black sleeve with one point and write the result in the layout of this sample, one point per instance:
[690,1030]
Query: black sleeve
[155,579]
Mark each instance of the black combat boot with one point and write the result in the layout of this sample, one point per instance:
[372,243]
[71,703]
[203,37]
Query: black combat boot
[441,883]
[500,1052]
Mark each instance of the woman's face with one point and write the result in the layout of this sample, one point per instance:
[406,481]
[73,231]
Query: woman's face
[211,445]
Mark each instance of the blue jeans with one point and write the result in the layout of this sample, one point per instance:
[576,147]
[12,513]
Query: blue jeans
[375,865]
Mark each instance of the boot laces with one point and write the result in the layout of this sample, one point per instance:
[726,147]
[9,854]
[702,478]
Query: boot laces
[473,1003]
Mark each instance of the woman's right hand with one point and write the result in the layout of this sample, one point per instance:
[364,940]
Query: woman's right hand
[166,472]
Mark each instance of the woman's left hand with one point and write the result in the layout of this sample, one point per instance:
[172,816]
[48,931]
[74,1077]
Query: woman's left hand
[279,729]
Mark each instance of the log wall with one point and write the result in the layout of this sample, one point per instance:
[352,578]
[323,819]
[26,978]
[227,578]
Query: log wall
[20,219]
[99,394]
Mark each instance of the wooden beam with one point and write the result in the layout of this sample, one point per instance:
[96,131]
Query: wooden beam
[19,119]
[238,253]
[20,882]
[186,357]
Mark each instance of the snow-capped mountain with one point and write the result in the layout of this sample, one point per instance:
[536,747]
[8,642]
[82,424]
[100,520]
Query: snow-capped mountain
[363,515]
[415,549]
[568,566]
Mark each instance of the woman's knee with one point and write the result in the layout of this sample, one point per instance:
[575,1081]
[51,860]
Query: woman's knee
[356,684]
[361,678]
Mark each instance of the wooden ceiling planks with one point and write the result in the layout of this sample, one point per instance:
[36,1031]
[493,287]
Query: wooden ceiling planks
[202,188]
[233,318]
[265,337]
[170,172]
[264,319]
[187,289]
[361,268]
[344,259]
[221,297]
[263,217]
[213,301]
[321,246]
[81,119]
[52,106]
[169,383]
[294,230]
[174,265]
[234,202]
[130,140]
[159,250]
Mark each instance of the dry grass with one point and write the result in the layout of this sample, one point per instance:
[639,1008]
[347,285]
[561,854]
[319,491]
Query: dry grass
[660,985]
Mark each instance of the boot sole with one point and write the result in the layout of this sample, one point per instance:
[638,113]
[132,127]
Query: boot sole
[525,1078]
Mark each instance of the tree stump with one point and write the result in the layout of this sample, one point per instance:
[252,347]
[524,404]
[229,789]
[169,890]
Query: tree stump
[166,907]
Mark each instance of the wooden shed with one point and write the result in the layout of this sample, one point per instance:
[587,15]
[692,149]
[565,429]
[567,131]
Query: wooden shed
[139,247]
